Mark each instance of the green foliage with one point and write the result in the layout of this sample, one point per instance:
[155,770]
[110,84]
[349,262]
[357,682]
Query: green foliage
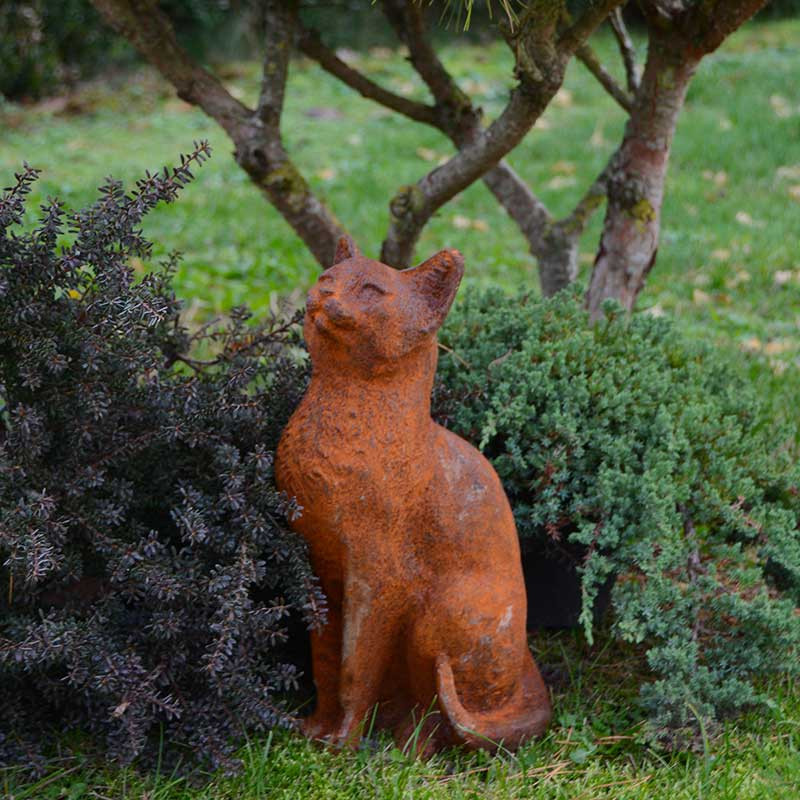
[644,457]
[46,43]
[146,572]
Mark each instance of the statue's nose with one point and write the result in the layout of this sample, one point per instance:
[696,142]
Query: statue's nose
[333,308]
[336,312]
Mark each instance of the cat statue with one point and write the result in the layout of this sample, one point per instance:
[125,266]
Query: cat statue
[408,527]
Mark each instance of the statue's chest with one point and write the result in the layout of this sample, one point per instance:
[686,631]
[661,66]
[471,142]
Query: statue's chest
[334,463]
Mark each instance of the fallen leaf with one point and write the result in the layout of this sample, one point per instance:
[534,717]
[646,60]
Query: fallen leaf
[782,277]
[426,154]
[743,218]
[752,345]
[406,88]
[777,367]
[780,105]
[176,105]
[789,172]
[701,279]
[742,276]
[719,178]
[381,53]
[121,708]
[561,182]
[777,346]
[326,173]
[465,223]
[324,113]
[597,140]
[655,311]
[794,192]
[563,98]
[699,297]
[721,255]
[564,167]
[138,265]
[348,56]
[473,87]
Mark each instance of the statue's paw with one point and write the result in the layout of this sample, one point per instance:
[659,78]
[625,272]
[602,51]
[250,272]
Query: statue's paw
[318,727]
[344,740]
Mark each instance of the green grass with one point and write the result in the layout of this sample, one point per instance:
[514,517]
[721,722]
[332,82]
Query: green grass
[729,240]
[595,749]
[729,236]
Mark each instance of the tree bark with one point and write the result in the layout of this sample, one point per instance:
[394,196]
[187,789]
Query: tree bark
[554,243]
[414,205]
[635,191]
[255,133]
[541,55]
[680,35]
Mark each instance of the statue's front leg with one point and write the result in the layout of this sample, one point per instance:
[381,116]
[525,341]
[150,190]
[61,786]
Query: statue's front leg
[367,643]
[326,658]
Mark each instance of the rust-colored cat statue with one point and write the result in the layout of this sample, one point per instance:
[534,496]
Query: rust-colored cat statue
[408,526]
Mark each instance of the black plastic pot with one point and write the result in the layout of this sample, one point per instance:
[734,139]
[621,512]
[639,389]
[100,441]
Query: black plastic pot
[554,586]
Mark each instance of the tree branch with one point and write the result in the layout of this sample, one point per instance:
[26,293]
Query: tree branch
[575,35]
[310,44]
[278,33]
[680,34]
[407,19]
[626,49]
[577,220]
[586,55]
[414,205]
[150,31]
[541,57]
[520,203]
[461,126]
[461,121]
[718,19]
[256,134]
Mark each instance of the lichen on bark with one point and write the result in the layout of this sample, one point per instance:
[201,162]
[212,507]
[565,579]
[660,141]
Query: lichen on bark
[287,181]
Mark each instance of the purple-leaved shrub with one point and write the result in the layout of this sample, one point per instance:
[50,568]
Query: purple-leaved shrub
[146,573]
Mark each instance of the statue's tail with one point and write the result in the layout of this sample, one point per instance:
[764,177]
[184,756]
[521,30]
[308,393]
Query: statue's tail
[509,725]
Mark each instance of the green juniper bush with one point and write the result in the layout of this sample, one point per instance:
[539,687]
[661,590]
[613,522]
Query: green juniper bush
[640,455]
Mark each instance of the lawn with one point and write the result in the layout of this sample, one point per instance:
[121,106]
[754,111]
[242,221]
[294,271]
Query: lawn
[728,271]
[594,749]
[728,264]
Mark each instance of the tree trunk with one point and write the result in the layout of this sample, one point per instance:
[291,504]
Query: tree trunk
[255,133]
[263,157]
[557,255]
[629,241]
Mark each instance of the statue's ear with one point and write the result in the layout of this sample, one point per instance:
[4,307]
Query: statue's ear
[346,248]
[437,281]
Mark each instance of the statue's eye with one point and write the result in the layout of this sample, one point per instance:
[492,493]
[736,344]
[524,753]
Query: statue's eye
[372,290]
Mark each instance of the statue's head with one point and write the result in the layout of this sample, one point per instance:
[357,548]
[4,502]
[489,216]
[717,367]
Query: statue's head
[372,318]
